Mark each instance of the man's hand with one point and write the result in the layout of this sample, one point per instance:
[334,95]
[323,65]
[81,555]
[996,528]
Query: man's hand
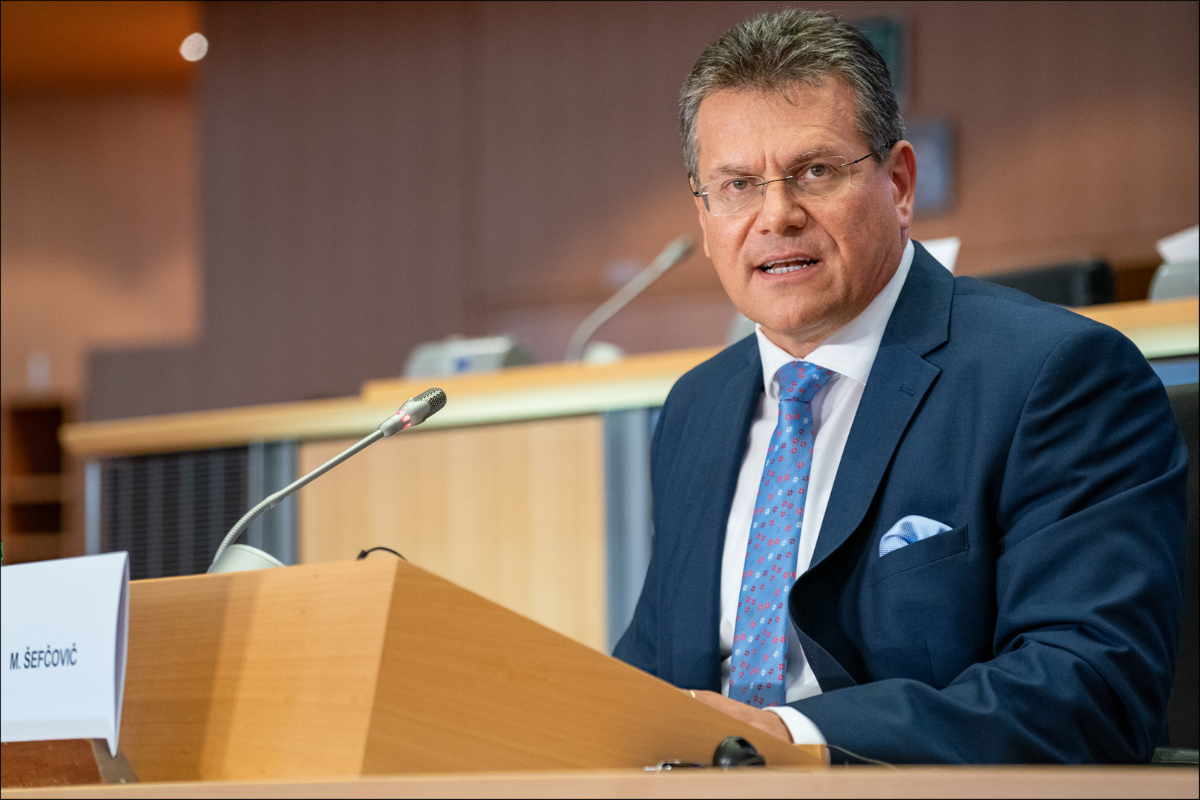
[763,720]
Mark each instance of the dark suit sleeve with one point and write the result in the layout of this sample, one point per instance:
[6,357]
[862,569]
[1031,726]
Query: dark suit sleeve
[1090,518]
[638,644]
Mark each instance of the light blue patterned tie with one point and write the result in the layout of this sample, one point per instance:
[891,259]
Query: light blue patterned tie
[758,667]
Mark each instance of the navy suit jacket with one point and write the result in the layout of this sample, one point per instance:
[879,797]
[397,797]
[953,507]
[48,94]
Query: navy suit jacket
[1043,626]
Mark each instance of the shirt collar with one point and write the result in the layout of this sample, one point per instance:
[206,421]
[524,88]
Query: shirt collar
[851,349]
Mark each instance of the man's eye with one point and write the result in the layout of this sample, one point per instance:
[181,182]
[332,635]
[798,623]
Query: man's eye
[818,171]
[737,185]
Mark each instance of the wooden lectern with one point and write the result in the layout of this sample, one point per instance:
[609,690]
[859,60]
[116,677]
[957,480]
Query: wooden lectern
[378,667]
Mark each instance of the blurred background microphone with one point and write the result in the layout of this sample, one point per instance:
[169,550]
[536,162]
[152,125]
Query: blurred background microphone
[671,255]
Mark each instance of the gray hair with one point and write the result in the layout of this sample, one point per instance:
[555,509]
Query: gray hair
[772,52]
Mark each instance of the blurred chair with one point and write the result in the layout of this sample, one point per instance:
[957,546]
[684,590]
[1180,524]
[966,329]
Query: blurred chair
[1182,709]
[1080,283]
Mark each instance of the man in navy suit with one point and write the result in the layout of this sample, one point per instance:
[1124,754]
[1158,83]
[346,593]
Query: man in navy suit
[987,515]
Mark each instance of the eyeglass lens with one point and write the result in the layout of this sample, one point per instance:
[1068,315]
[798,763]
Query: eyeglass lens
[744,194]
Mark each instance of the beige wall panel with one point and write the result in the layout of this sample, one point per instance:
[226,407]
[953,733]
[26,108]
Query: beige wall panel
[1046,100]
[98,239]
[513,512]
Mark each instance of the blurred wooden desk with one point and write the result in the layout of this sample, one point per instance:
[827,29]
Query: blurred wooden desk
[917,782]
[520,393]
[1163,329]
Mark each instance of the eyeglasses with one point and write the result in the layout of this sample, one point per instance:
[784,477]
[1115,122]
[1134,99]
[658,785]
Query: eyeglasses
[744,194]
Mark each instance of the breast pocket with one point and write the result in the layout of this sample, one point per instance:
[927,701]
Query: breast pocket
[918,554]
[919,615]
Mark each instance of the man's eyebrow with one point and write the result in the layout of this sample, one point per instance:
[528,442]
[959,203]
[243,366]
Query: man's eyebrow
[738,170]
[815,152]
[733,170]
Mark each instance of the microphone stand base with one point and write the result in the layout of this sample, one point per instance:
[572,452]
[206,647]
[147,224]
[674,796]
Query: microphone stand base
[243,558]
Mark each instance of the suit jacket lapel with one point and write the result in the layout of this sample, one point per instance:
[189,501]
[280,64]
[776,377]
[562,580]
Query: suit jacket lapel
[899,380]
[715,464]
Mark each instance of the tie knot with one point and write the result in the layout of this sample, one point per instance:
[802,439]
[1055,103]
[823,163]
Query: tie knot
[799,380]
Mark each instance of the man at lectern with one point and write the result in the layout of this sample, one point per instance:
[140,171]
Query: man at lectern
[918,517]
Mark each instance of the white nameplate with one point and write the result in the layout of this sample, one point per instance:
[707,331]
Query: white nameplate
[64,634]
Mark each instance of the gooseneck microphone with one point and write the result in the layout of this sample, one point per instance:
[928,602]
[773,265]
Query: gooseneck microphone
[414,412]
[671,255]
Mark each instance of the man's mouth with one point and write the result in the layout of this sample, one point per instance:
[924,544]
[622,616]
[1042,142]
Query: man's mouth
[786,265]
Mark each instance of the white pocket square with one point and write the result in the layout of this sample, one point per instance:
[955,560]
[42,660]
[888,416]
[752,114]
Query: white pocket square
[908,530]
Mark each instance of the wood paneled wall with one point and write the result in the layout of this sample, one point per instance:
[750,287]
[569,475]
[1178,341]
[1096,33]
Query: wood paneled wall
[1077,126]
[379,175]
[98,238]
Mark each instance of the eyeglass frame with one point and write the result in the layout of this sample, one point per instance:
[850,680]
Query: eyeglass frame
[762,185]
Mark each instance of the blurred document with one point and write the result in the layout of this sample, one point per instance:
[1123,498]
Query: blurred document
[944,250]
[64,636]
[1181,247]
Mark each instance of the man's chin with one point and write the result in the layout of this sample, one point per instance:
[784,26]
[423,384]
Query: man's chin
[793,335]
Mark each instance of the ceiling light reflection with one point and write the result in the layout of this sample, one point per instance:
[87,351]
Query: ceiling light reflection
[194,47]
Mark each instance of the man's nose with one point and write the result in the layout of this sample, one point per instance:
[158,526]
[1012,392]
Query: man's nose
[781,209]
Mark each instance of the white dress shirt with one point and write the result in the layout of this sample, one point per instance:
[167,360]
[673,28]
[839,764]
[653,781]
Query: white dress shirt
[849,352]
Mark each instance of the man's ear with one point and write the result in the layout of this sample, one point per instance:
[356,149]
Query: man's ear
[902,172]
[703,223]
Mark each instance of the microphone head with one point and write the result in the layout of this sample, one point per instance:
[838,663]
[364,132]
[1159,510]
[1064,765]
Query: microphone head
[436,399]
[415,411]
